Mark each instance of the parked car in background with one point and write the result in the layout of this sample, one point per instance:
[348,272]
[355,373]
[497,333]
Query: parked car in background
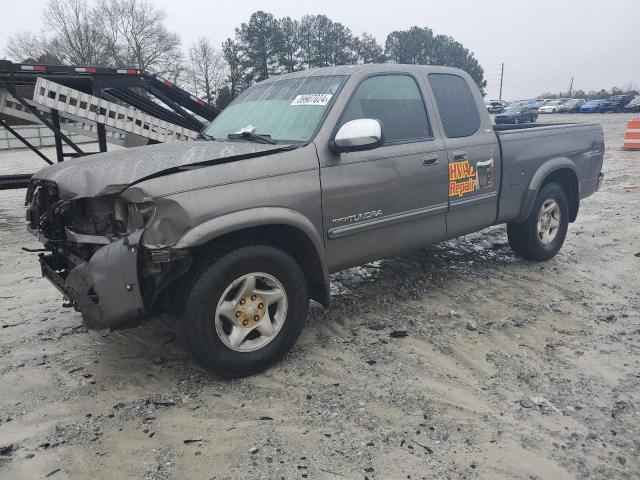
[551,106]
[537,103]
[594,106]
[617,103]
[517,113]
[633,105]
[571,106]
[496,106]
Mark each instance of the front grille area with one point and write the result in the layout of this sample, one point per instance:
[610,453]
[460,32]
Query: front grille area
[48,217]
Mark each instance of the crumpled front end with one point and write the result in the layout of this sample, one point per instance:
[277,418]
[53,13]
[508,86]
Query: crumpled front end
[94,255]
[105,289]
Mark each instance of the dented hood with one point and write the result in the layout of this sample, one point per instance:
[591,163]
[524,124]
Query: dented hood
[110,173]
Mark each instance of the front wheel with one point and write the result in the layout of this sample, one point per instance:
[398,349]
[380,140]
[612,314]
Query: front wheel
[245,310]
[543,232]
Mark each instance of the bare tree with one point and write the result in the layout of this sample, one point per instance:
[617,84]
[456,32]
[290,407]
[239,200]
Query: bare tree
[135,36]
[120,33]
[207,69]
[76,37]
[27,46]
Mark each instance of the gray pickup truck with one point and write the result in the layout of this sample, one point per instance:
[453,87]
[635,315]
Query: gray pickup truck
[302,175]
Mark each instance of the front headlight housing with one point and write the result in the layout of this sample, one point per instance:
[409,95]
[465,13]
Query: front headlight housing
[140,214]
[111,217]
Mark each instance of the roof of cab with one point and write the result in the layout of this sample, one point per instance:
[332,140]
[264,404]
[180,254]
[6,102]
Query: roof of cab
[367,68]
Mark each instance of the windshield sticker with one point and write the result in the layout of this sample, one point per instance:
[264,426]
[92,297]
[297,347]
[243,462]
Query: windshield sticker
[320,99]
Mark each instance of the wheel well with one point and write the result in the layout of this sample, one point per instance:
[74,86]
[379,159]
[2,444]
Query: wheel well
[285,237]
[567,179]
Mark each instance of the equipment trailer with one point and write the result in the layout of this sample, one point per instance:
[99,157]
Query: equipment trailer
[127,107]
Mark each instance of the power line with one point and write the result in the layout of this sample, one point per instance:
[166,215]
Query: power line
[525,80]
[528,73]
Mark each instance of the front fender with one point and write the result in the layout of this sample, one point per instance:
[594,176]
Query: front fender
[257,217]
[546,169]
[254,217]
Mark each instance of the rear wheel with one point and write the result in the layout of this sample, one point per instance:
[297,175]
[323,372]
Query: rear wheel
[543,232]
[245,310]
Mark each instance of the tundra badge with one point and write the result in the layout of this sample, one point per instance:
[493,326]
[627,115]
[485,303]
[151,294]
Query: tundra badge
[357,217]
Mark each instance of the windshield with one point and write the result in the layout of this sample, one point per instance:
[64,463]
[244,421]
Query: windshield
[515,108]
[285,110]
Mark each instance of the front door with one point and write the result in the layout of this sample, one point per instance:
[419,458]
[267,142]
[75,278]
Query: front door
[379,202]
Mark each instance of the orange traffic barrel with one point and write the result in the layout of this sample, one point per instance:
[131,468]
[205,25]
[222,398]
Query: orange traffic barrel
[632,135]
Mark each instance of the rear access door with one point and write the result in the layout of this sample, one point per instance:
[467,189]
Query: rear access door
[473,155]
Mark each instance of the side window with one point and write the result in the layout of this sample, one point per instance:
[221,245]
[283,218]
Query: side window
[457,106]
[396,101]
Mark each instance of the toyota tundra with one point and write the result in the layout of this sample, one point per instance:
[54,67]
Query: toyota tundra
[302,175]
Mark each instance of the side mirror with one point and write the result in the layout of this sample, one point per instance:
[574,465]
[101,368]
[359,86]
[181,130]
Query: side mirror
[360,134]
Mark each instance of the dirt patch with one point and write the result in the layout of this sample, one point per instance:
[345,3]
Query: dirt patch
[458,361]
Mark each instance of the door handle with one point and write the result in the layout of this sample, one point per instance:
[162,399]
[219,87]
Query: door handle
[460,155]
[430,159]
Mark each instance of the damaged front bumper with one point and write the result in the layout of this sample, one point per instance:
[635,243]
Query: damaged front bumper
[106,288]
[95,255]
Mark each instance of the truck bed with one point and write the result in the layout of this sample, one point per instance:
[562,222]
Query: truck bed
[525,147]
[506,127]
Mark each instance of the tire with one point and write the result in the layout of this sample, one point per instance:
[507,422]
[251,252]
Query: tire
[525,238]
[206,333]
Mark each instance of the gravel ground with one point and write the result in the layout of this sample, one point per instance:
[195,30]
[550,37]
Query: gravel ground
[508,369]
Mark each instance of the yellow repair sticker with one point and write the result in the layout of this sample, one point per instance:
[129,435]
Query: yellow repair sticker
[462,178]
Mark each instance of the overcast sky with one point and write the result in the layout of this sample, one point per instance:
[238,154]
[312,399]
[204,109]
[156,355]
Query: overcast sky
[542,43]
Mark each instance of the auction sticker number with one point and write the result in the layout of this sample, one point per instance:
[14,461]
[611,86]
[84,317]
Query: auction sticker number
[312,99]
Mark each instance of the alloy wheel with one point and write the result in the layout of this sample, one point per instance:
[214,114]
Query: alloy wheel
[251,312]
[548,221]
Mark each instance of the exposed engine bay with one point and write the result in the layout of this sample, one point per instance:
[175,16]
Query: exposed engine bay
[94,257]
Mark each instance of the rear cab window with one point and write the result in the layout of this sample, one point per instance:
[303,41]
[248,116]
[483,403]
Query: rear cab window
[457,106]
[395,100]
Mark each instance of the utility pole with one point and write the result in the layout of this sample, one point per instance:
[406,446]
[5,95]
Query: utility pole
[501,77]
[570,87]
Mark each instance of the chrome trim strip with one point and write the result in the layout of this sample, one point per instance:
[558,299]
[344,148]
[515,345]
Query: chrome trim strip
[466,202]
[339,232]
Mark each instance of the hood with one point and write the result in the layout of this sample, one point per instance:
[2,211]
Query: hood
[110,173]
